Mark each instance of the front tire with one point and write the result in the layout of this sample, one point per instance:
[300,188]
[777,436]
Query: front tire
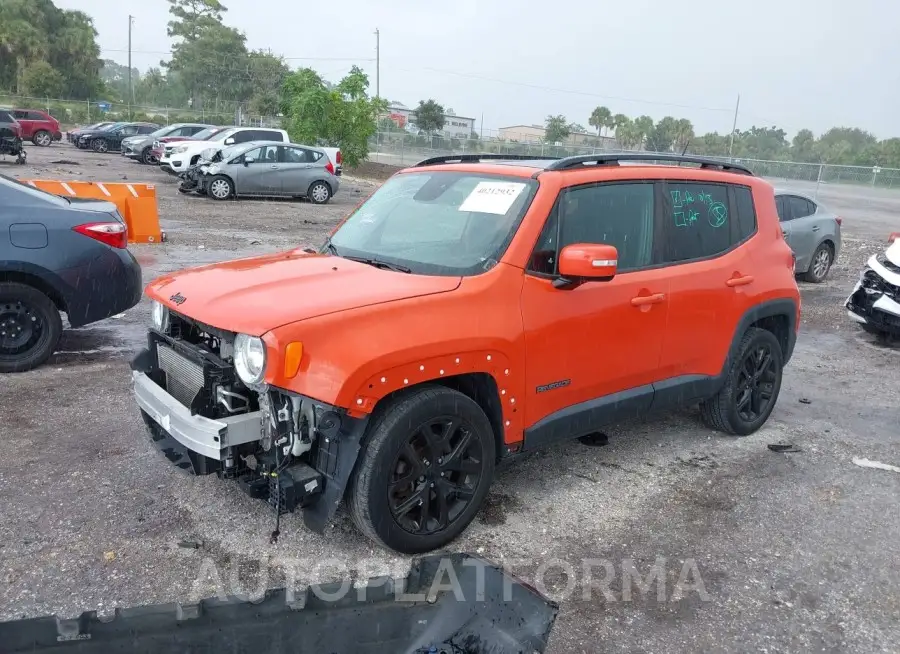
[820,264]
[751,389]
[30,327]
[100,145]
[319,193]
[42,138]
[221,188]
[426,466]
[146,156]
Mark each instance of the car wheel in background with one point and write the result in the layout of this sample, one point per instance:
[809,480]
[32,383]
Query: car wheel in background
[42,138]
[751,389]
[29,327]
[820,264]
[425,468]
[319,193]
[220,188]
[147,156]
[100,145]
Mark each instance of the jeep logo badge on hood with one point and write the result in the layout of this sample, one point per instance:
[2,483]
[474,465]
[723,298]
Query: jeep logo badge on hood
[178,299]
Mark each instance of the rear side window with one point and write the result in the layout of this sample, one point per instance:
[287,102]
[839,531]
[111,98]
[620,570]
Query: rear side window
[696,219]
[19,115]
[298,155]
[190,131]
[746,212]
[266,135]
[36,115]
[147,129]
[781,208]
[613,214]
[800,207]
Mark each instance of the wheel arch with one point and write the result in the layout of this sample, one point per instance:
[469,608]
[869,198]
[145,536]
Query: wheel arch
[34,277]
[778,316]
[324,181]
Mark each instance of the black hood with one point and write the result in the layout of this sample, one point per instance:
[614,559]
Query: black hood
[92,132]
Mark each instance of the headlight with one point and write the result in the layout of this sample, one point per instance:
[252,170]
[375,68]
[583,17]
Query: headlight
[159,315]
[249,358]
[180,149]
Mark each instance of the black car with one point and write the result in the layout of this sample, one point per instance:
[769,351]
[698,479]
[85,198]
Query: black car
[58,254]
[109,139]
[73,135]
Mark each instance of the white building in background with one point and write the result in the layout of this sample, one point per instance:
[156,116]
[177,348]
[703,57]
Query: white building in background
[456,127]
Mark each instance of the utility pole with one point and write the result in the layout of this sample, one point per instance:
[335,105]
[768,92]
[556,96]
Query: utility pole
[734,125]
[377,63]
[130,83]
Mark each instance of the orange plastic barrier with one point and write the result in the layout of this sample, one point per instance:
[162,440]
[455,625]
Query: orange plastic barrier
[136,202]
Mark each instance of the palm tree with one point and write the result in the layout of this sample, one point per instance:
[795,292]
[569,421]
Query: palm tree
[22,42]
[643,125]
[600,118]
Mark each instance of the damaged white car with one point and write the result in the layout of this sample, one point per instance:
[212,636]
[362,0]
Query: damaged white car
[875,300]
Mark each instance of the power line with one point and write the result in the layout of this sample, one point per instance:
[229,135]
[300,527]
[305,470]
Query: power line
[249,54]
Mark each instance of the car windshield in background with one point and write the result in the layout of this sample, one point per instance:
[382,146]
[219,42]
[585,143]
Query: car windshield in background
[438,223]
[204,134]
[110,127]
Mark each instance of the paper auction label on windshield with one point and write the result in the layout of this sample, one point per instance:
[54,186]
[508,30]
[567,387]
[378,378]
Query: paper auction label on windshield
[492,197]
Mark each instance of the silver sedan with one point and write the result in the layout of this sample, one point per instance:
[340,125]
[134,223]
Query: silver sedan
[813,232]
[268,168]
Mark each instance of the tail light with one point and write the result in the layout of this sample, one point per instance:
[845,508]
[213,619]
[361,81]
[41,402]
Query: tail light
[114,234]
[329,168]
[339,158]
[895,236]
[839,221]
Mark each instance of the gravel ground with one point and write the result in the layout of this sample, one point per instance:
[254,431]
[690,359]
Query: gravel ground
[786,551]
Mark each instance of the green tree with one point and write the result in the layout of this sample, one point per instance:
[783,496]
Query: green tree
[803,146]
[643,125]
[343,116]
[600,118]
[661,137]
[41,80]
[684,134]
[191,17]
[429,116]
[556,129]
[267,74]
[628,134]
[618,120]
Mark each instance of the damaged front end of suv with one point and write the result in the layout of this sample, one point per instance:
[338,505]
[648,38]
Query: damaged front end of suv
[875,300]
[287,449]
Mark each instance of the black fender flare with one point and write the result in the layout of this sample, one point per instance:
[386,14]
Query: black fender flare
[780,307]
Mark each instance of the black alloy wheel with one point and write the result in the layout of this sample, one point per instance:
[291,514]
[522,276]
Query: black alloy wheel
[435,475]
[425,466]
[751,388]
[756,383]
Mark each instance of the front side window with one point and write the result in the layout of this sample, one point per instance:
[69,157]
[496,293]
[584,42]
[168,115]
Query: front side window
[697,220]
[265,154]
[621,215]
[439,222]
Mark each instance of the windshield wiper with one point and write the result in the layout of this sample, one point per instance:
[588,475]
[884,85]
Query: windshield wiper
[329,247]
[378,263]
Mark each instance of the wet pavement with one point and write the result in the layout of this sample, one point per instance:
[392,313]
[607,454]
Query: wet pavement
[793,551]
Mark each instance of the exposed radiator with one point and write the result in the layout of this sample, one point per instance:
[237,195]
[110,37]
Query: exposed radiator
[184,378]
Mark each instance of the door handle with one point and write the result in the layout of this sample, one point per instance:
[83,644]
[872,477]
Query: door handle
[815,228]
[740,281]
[646,300]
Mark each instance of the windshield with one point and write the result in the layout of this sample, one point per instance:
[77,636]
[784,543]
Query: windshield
[204,134]
[450,223]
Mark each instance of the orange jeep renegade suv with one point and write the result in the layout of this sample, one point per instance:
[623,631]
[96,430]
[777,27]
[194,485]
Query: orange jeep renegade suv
[472,308]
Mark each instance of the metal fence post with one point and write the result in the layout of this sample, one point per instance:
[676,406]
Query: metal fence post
[819,180]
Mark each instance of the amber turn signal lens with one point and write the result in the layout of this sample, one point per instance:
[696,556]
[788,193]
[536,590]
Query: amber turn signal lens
[293,354]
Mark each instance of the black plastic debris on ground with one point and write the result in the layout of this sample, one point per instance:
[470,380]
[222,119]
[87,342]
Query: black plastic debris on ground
[784,447]
[454,603]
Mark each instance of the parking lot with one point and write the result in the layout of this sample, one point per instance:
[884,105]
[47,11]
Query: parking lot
[795,551]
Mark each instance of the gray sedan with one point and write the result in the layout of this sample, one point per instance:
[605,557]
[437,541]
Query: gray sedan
[813,232]
[268,168]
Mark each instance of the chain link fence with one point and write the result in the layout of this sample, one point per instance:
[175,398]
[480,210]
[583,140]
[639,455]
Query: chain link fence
[403,149]
[71,113]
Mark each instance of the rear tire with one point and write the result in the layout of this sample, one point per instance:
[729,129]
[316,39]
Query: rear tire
[415,489]
[42,138]
[751,389]
[30,327]
[820,264]
[319,193]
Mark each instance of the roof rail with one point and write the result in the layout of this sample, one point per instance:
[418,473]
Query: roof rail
[567,163]
[475,158]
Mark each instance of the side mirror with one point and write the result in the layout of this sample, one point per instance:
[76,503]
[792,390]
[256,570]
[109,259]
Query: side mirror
[248,160]
[586,262]
[229,140]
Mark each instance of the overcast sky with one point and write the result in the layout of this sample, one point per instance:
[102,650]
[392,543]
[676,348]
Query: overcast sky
[795,63]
